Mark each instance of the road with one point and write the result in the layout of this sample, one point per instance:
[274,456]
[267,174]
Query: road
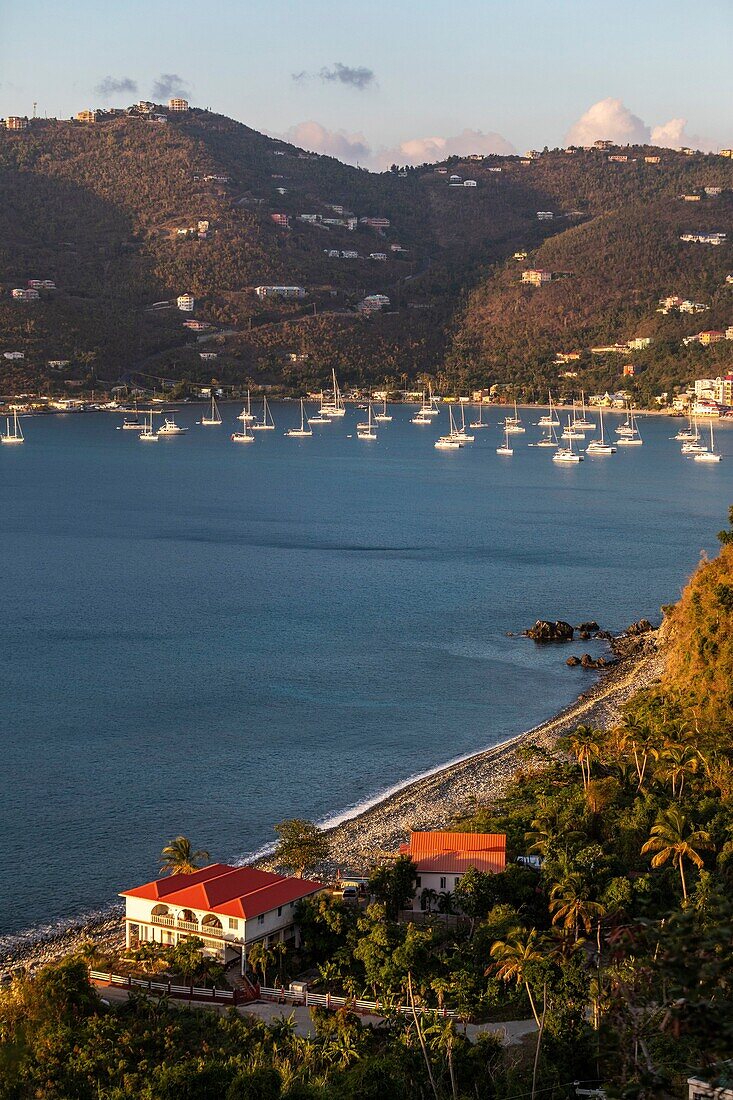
[510,1031]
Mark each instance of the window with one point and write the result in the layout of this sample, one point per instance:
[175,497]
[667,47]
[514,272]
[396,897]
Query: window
[292,905]
[261,918]
[418,880]
[233,922]
[279,910]
[456,880]
[442,884]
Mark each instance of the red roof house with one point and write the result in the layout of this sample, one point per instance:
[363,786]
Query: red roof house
[443,857]
[228,907]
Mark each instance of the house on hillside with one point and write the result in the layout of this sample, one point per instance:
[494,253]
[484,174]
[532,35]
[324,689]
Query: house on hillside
[442,859]
[185,302]
[280,291]
[536,277]
[25,294]
[177,104]
[228,908]
[545,215]
[16,122]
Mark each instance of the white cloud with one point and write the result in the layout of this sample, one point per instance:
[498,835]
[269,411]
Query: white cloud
[608,120]
[422,150]
[673,135]
[352,148]
[611,120]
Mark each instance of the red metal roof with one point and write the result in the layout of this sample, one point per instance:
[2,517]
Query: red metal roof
[231,891]
[442,851]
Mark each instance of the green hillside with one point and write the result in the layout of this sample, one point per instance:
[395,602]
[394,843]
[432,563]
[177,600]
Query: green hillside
[97,208]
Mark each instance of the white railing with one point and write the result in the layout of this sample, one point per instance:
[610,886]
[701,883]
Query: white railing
[211,930]
[194,992]
[326,1000]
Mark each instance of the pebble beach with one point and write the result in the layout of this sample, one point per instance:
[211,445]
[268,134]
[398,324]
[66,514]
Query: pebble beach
[432,801]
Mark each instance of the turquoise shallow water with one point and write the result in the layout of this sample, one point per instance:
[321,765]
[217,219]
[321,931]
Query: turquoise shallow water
[205,638]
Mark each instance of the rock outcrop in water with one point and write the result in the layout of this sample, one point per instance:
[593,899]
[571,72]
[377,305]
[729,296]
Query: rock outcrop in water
[545,631]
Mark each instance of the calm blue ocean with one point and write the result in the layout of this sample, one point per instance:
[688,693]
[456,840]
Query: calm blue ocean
[205,638]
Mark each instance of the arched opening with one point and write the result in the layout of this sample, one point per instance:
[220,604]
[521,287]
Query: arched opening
[160,910]
[188,916]
[211,923]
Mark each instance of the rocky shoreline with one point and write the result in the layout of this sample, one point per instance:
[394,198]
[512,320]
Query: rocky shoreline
[431,802]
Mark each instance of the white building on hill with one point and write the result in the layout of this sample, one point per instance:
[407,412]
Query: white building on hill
[228,908]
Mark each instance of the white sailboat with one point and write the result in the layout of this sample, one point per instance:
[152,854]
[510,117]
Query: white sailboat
[684,435]
[505,448]
[267,424]
[691,444]
[627,428]
[213,419]
[432,407]
[246,415]
[366,430]
[550,420]
[711,455]
[461,434]
[513,424]
[383,417]
[246,435]
[549,423]
[630,436]
[319,418]
[424,413]
[572,429]
[170,427]
[599,446]
[12,434]
[148,435]
[582,421]
[305,428]
[336,406]
[566,455]
[480,423]
[449,442]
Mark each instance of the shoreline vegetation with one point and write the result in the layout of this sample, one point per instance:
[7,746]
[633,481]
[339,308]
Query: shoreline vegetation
[431,801]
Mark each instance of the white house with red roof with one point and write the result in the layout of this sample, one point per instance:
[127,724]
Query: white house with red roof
[442,858]
[229,908]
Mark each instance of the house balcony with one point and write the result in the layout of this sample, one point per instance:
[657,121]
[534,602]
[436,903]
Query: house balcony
[206,931]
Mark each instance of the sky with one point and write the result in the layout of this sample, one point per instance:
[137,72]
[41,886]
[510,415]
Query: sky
[392,80]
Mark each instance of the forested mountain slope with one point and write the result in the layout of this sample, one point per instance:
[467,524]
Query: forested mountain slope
[98,208]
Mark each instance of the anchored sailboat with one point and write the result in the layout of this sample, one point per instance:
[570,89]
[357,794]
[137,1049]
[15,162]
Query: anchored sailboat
[599,446]
[366,430]
[148,435]
[246,435]
[267,424]
[567,455]
[305,428]
[213,419]
[13,434]
[449,442]
[505,448]
[711,455]
[383,417]
[628,434]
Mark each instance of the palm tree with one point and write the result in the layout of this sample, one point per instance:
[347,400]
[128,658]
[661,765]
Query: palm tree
[678,761]
[583,744]
[639,737]
[571,907]
[428,898]
[514,957]
[179,858]
[673,837]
